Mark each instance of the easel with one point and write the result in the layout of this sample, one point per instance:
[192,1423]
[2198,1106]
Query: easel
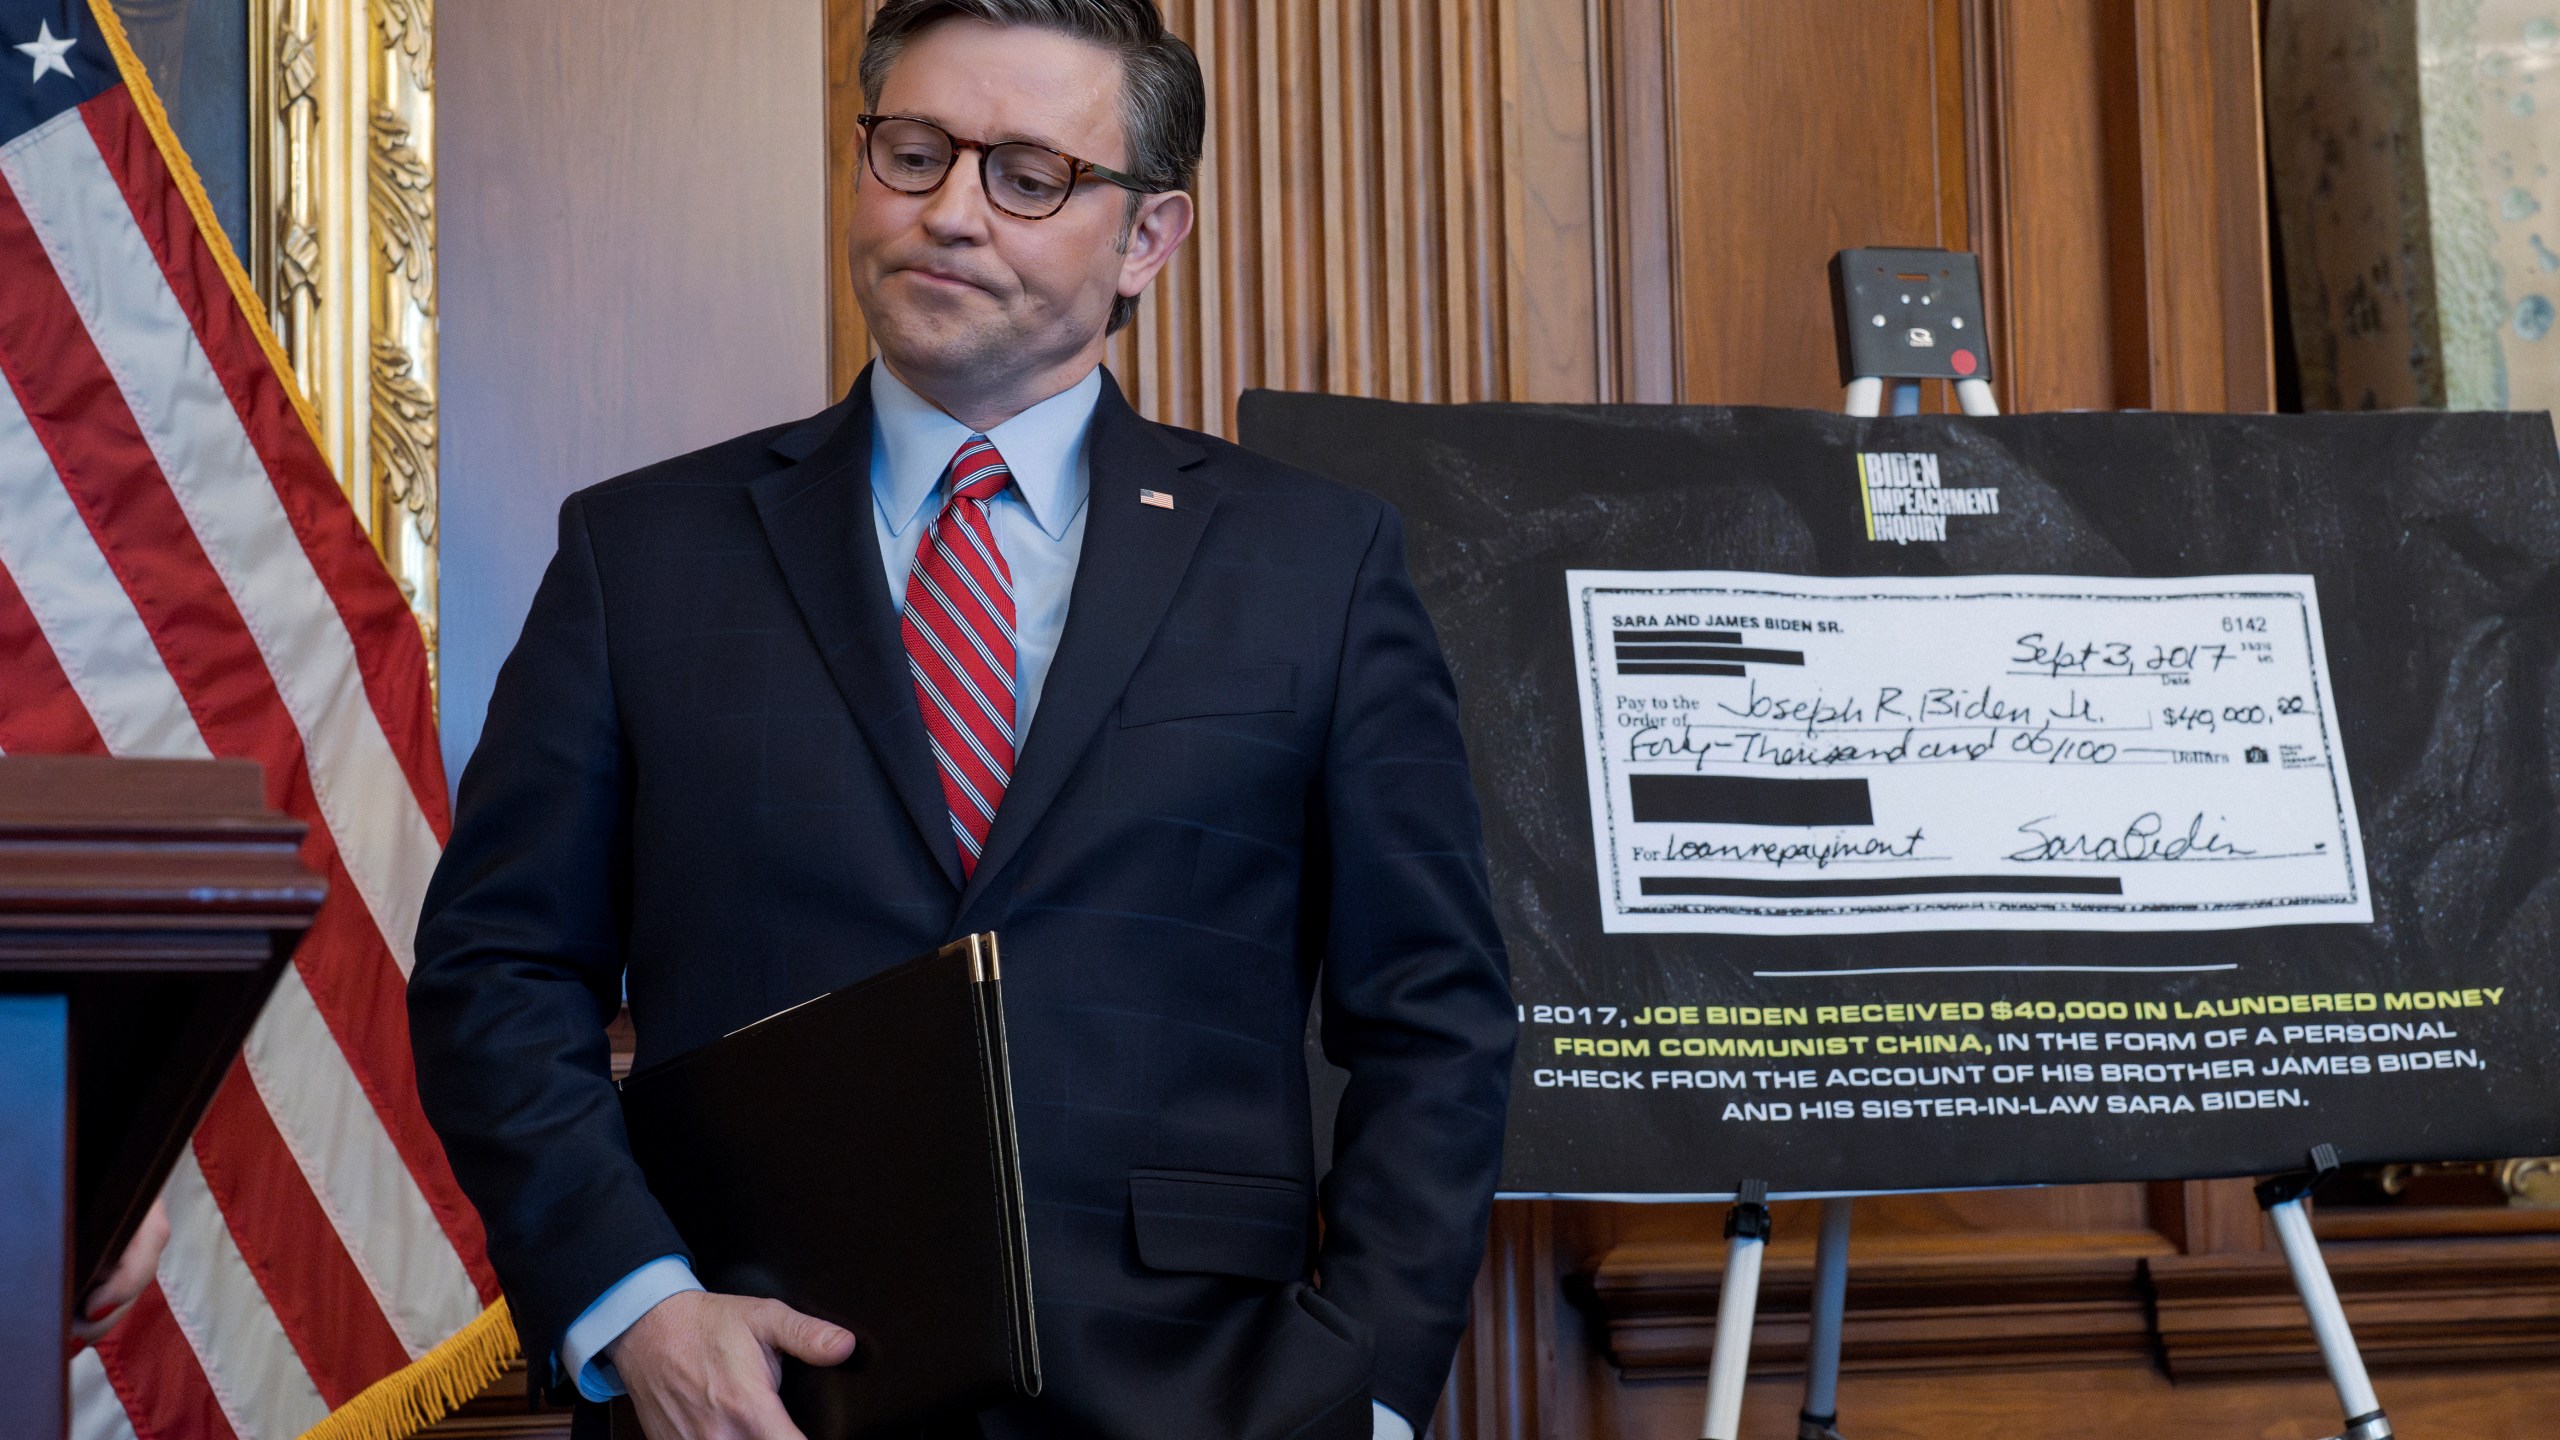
[1899,316]
[2283,1198]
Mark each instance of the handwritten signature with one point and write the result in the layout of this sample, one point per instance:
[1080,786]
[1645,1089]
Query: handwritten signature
[2146,837]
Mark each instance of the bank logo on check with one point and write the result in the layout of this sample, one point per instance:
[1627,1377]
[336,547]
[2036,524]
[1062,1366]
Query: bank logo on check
[1786,754]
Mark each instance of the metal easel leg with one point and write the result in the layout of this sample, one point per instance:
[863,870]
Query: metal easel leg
[1746,1230]
[1820,1418]
[2283,1199]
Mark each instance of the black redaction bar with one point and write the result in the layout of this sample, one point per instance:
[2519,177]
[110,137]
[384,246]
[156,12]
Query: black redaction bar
[1689,637]
[1748,800]
[1685,650]
[1632,652]
[1850,889]
[1627,651]
[1693,652]
[1678,667]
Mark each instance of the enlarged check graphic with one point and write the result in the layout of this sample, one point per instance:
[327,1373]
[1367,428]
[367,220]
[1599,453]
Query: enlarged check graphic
[1782,754]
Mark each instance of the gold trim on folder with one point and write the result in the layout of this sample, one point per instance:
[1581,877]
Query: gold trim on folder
[981,948]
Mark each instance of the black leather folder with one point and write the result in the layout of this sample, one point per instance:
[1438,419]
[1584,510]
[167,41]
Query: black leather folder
[854,1157]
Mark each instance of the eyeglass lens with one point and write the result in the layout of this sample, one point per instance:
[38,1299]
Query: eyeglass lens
[1022,180]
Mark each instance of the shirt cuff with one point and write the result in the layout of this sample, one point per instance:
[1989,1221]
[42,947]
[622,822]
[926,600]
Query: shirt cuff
[635,1295]
[1385,1424]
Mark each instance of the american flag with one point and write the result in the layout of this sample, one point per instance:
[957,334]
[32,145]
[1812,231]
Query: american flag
[181,576]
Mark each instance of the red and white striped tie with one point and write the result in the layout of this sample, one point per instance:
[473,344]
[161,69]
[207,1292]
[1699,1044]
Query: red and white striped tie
[959,631]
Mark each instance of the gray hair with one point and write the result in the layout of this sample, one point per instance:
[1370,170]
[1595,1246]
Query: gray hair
[1164,105]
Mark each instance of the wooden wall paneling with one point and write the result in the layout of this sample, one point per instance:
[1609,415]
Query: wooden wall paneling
[1404,138]
[1504,1384]
[2209,1217]
[2058,172]
[1207,311]
[1376,215]
[1169,318]
[2440,1302]
[1472,175]
[2120,158]
[2123,1402]
[1797,131]
[2129,192]
[2203,191]
[2235,37]
[1552,144]
[1301,145]
[1942,1302]
[1350,279]
[1634,69]
[1263,264]
[848,341]
[2048,239]
[1945,1340]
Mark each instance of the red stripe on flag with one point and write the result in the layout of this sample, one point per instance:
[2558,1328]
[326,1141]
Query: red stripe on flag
[367,1008]
[82,419]
[156,1374]
[389,650]
[40,714]
[311,1283]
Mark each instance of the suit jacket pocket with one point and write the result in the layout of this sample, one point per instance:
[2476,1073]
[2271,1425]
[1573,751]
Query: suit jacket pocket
[1198,1221]
[1240,690]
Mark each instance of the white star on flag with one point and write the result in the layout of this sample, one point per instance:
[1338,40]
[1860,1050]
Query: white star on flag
[48,52]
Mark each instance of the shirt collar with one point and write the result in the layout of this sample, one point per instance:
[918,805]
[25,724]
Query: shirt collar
[913,441]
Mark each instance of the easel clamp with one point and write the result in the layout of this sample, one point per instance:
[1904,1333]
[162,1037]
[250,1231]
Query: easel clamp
[1749,1217]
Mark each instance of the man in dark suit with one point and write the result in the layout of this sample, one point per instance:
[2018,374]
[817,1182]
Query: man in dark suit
[771,727]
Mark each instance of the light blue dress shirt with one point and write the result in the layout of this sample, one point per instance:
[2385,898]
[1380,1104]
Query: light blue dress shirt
[1039,525]
[1039,519]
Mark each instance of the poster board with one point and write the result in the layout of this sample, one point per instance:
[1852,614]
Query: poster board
[2325,908]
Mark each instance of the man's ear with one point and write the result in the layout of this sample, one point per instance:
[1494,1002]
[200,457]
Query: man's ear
[1162,223]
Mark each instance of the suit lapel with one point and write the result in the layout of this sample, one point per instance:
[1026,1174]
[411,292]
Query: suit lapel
[817,518]
[1133,561]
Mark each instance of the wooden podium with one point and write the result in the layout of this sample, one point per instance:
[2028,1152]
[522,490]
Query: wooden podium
[146,909]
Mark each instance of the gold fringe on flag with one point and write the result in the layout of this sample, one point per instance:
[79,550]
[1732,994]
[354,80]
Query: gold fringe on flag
[431,1387]
[439,1382]
[156,119]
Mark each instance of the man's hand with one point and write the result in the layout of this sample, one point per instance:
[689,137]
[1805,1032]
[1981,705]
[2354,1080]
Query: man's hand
[706,1367]
[104,1306]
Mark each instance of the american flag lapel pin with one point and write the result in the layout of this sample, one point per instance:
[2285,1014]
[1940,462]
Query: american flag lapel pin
[1160,499]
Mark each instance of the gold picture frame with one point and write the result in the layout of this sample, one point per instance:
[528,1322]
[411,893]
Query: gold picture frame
[341,243]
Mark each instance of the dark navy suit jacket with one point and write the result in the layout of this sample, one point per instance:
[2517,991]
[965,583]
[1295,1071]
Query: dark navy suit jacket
[704,776]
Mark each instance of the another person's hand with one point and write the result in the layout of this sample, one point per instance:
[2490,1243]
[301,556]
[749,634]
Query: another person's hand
[101,1308]
[707,1367]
